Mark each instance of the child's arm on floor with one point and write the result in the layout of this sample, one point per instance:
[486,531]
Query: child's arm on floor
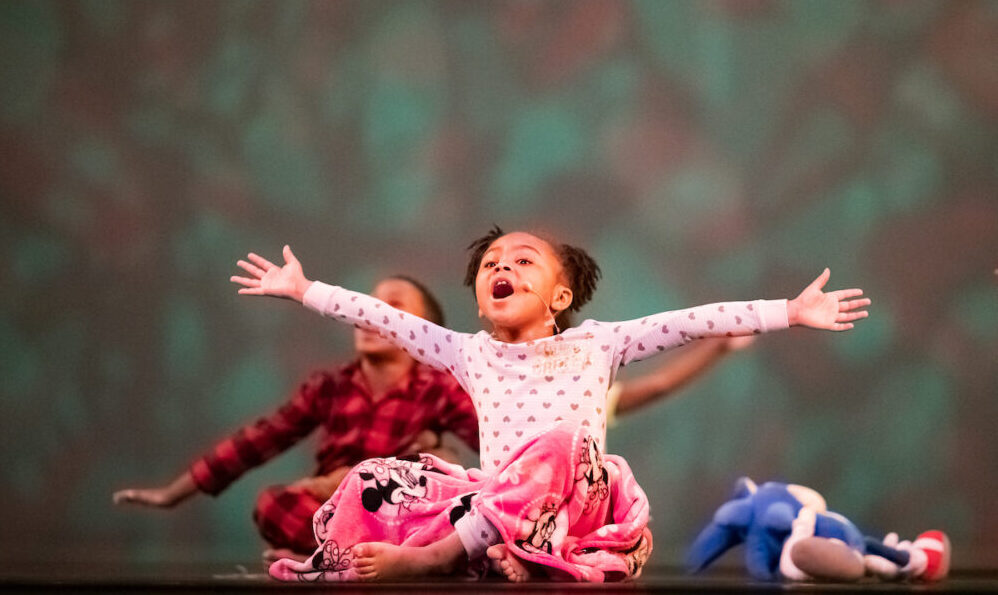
[250,446]
[168,496]
[677,372]
[423,340]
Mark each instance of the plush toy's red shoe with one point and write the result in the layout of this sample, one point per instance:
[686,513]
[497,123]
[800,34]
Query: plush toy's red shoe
[936,547]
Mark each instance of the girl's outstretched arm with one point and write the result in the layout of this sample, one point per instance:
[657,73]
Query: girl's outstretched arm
[425,341]
[266,278]
[834,310]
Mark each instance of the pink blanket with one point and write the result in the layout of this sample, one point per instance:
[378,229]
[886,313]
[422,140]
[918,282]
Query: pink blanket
[556,502]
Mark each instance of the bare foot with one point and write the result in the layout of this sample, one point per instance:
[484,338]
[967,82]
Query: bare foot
[503,561]
[273,555]
[378,561]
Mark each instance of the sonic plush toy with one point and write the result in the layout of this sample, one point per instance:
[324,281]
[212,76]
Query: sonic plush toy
[789,533]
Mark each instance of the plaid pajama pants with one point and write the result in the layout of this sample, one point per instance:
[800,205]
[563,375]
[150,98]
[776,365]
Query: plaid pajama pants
[284,517]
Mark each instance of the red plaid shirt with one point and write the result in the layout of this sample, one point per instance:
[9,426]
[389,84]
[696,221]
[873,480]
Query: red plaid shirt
[355,427]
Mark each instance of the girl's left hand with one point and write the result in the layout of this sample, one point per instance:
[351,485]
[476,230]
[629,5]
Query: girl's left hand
[832,311]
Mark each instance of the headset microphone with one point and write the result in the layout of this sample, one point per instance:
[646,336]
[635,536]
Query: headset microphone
[551,319]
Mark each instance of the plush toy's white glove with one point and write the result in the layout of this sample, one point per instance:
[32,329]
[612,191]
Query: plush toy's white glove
[806,557]
[917,560]
[880,567]
[802,528]
[808,497]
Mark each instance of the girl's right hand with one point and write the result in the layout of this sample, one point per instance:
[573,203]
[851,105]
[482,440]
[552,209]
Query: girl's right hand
[266,278]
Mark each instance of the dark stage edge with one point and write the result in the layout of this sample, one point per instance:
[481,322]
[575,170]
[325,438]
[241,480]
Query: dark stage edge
[248,578]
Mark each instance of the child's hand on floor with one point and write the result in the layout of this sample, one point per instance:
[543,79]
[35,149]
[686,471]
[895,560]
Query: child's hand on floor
[151,497]
[168,496]
[832,311]
[266,278]
[156,498]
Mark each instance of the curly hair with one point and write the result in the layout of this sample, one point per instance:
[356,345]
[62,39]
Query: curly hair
[581,270]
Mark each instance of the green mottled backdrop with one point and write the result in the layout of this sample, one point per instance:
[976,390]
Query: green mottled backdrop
[724,149]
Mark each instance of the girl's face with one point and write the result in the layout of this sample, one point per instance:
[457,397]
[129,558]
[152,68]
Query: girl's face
[399,294]
[520,282]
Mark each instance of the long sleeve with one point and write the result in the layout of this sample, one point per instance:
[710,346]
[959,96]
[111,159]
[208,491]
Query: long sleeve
[643,337]
[424,341]
[256,443]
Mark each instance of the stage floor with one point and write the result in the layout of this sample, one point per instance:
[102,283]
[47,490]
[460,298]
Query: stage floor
[64,577]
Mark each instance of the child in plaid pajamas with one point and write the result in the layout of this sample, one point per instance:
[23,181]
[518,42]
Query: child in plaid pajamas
[382,404]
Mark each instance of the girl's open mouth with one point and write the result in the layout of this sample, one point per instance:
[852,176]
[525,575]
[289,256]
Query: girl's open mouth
[502,289]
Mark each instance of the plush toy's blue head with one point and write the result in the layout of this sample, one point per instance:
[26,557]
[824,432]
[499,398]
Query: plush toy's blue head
[762,518]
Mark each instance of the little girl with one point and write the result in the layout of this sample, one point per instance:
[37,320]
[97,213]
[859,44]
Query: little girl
[545,499]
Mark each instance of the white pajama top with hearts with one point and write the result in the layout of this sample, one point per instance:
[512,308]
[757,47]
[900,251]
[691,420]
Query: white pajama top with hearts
[522,389]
